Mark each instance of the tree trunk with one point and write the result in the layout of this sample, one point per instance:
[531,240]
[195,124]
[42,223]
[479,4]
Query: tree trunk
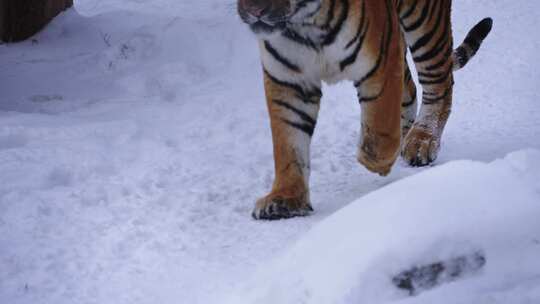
[20,19]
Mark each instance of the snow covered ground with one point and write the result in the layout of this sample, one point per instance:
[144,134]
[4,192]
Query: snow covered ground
[352,256]
[134,141]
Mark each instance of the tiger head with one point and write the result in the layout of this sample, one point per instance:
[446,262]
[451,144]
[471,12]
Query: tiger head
[268,16]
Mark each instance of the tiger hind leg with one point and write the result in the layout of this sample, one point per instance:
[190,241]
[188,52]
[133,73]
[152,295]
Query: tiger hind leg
[428,34]
[427,28]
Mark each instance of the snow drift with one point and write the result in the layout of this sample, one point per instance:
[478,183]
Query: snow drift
[444,212]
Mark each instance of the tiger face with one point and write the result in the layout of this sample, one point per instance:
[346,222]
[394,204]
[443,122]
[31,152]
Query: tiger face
[269,16]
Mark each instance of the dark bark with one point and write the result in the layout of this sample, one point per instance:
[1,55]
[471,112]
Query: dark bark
[20,19]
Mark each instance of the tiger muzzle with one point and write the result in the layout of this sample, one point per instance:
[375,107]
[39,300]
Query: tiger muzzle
[264,15]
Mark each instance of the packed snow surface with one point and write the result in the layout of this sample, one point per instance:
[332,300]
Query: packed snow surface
[352,256]
[134,141]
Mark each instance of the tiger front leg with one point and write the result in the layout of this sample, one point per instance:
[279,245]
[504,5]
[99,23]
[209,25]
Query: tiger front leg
[380,93]
[381,127]
[293,113]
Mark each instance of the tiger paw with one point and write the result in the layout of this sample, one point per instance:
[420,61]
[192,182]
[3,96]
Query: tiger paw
[381,167]
[420,148]
[276,208]
[378,153]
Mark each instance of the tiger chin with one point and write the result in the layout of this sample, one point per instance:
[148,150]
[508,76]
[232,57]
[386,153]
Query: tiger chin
[306,42]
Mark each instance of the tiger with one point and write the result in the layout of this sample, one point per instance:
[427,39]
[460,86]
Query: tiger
[303,43]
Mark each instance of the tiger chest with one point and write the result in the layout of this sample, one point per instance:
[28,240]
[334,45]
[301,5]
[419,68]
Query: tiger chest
[295,62]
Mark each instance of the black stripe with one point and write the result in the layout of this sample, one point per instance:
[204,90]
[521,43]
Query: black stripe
[440,79]
[430,75]
[294,36]
[411,10]
[280,58]
[429,101]
[385,43]
[409,103]
[304,95]
[362,99]
[441,62]
[302,4]
[303,115]
[329,14]
[425,39]
[331,36]
[354,55]
[434,9]
[360,28]
[432,53]
[439,46]
[373,69]
[306,128]
[315,11]
[420,20]
[359,39]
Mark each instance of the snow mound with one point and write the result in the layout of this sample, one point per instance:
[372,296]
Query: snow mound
[454,209]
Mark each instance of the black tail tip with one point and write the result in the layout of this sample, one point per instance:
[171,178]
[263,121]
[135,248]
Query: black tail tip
[483,27]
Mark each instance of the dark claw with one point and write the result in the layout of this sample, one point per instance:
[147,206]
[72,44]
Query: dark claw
[418,162]
[279,209]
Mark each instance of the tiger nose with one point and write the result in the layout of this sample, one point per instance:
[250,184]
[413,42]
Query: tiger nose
[259,10]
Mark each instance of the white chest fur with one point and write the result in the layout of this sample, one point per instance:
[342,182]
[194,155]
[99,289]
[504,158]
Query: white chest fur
[314,65]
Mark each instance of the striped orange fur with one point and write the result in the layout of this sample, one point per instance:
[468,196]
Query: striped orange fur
[306,42]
